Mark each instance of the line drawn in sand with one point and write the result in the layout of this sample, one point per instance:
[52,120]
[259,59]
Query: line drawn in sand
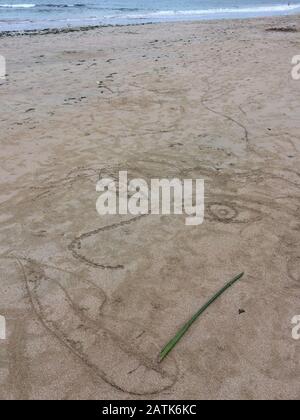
[119,352]
[75,245]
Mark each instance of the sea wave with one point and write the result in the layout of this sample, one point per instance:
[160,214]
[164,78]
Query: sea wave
[31,5]
[65,5]
[46,14]
[146,14]
[216,11]
[59,6]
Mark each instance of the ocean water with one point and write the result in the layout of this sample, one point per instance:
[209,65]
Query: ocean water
[41,14]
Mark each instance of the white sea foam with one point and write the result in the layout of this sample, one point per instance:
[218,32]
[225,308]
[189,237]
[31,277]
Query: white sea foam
[18,6]
[216,11]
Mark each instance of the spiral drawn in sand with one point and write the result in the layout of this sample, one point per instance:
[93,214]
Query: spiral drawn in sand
[223,212]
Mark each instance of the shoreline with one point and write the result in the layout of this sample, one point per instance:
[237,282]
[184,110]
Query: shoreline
[87,28]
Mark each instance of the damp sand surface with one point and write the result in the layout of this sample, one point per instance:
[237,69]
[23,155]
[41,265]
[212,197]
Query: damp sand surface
[89,301]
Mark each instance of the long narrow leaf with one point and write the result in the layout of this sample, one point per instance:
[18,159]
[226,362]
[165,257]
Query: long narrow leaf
[172,343]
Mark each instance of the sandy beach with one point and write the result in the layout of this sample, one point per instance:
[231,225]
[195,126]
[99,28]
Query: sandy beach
[89,301]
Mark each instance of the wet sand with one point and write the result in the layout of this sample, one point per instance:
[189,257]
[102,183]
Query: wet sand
[89,301]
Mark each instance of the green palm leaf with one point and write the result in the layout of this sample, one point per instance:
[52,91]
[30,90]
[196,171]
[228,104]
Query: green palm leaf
[172,343]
